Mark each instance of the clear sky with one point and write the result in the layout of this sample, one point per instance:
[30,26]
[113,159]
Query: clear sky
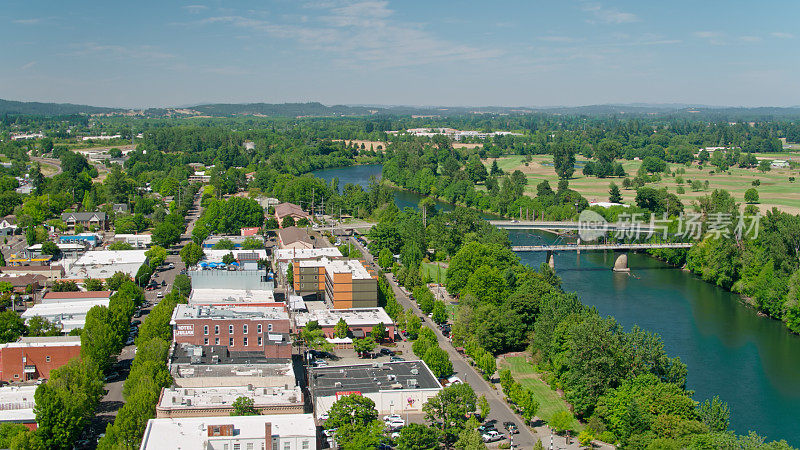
[410,52]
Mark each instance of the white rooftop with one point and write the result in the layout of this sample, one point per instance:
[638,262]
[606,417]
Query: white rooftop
[70,315]
[222,396]
[104,257]
[214,255]
[44,341]
[353,317]
[229,312]
[192,432]
[16,404]
[216,296]
[101,264]
[287,254]
[352,266]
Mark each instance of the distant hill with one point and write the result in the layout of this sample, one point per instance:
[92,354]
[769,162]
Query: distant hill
[279,109]
[50,109]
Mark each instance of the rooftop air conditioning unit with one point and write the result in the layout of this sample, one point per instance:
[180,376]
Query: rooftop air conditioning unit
[414,371]
[337,384]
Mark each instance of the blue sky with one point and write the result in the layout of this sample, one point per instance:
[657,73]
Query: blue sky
[514,53]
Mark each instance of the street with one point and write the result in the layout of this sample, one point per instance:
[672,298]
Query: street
[500,411]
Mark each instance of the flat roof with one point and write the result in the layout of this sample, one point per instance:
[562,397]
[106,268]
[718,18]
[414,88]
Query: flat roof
[351,266]
[215,255]
[16,404]
[190,361]
[44,341]
[76,295]
[80,307]
[104,257]
[371,378]
[192,432]
[217,296]
[184,311]
[224,396]
[353,317]
[287,254]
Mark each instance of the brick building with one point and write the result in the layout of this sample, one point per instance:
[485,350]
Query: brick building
[32,358]
[263,329]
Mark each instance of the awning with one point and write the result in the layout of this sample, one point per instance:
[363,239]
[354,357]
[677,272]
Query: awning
[358,333]
[29,369]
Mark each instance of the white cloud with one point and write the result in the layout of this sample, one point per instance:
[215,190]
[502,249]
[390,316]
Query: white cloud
[33,21]
[195,9]
[750,39]
[119,51]
[782,35]
[28,66]
[365,31]
[712,37]
[602,14]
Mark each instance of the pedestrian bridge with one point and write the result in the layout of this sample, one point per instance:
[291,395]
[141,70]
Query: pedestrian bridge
[567,225]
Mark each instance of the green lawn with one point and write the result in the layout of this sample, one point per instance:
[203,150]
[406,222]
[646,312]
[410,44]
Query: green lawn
[438,275]
[549,401]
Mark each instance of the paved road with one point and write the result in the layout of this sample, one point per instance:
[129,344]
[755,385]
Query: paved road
[113,401]
[500,412]
[48,162]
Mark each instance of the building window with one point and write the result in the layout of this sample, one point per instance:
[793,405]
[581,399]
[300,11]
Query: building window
[230,342]
[249,446]
[244,329]
[260,341]
[305,445]
[287,446]
[275,445]
[47,358]
[216,341]
[260,330]
[269,327]
[244,342]
[205,329]
[216,329]
[230,329]
[205,341]
[237,446]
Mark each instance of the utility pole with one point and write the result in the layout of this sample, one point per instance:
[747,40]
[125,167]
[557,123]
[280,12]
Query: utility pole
[312,202]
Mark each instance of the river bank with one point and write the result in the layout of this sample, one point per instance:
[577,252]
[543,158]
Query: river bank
[751,362]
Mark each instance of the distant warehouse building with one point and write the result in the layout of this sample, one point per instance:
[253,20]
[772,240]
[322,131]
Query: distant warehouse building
[218,400]
[395,387]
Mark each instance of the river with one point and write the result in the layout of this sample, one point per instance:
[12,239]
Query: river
[751,362]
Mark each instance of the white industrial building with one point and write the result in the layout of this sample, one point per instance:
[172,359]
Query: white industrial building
[102,264]
[68,315]
[16,404]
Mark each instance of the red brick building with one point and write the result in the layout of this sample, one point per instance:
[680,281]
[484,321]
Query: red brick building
[32,358]
[239,328]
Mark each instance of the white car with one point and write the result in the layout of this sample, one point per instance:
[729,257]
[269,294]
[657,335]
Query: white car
[391,417]
[395,425]
[492,436]
[160,295]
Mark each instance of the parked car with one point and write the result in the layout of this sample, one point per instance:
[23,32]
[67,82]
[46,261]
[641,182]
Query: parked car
[320,363]
[394,425]
[492,436]
[160,294]
[112,376]
[511,427]
[131,340]
[386,351]
[171,265]
[136,322]
[391,417]
[396,359]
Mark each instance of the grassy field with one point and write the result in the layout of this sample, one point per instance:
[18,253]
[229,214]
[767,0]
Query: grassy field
[775,190]
[549,401]
[438,275]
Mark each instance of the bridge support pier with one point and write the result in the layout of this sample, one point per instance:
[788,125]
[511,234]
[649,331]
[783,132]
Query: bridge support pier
[621,263]
[551,260]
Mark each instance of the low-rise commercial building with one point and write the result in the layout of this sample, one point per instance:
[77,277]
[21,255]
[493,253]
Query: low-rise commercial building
[135,240]
[31,358]
[294,238]
[89,239]
[395,387]
[16,405]
[282,432]
[78,296]
[66,315]
[262,329]
[237,241]
[359,320]
[102,264]
[240,297]
[20,283]
[214,365]
[218,400]
[52,273]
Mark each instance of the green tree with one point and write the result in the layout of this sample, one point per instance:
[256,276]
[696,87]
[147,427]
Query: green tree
[614,196]
[378,332]
[252,244]
[564,159]
[120,245]
[228,258]
[182,285]
[11,326]
[439,314]
[415,436]
[115,281]
[287,222]
[224,244]
[156,255]
[751,195]
[364,345]
[450,408]
[358,437]
[438,361]
[51,248]
[40,326]
[165,234]
[351,409]
[764,166]
[715,414]
[93,285]
[385,258]
[191,254]
[484,407]
[290,275]
[562,421]
[66,402]
[103,335]
[244,406]
[341,330]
